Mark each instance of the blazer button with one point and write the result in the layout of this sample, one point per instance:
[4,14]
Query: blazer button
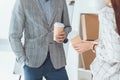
[50,43]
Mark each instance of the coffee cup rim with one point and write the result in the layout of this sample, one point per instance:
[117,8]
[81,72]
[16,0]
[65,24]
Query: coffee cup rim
[58,24]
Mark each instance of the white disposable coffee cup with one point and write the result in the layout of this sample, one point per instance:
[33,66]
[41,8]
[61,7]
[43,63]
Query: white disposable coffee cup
[58,28]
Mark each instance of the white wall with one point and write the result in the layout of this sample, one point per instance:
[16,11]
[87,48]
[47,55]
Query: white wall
[5,14]
[85,6]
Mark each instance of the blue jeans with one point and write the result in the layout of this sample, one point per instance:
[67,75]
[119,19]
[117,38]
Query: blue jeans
[47,70]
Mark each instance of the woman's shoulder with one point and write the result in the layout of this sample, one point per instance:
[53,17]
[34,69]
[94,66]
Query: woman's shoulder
[106,9]
[106,13]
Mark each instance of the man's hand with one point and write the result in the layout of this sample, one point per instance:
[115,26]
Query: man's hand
[60,37]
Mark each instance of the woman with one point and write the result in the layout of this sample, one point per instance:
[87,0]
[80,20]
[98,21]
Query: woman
[106,65]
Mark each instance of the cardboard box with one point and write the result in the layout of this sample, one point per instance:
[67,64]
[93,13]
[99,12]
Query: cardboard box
[89,26]
[89,30]
[87,58]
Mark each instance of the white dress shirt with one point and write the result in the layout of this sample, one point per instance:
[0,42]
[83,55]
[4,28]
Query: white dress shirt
[47,8]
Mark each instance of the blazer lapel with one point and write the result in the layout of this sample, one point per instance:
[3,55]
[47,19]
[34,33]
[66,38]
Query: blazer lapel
[54,3]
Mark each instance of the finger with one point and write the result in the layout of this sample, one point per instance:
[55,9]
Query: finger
[62,34]
[78,45]
[59,40]
[78,49]
[60,37]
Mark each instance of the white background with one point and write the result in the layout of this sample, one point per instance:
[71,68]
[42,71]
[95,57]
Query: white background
[5,14]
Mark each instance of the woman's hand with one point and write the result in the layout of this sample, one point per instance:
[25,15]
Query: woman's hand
[60,37]
[83,46]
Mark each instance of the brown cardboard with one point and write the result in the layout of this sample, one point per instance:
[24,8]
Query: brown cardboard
[89,26]
[87,58]
[89,29]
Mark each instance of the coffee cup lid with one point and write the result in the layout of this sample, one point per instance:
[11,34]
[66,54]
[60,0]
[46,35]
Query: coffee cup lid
[58,24]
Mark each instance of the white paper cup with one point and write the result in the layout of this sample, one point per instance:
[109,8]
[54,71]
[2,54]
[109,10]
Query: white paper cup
[58,28]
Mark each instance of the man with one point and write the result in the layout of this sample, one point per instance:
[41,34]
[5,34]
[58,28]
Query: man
[40,54]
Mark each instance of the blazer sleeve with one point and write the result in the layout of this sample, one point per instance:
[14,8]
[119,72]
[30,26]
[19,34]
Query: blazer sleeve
[16,31]
[65,19]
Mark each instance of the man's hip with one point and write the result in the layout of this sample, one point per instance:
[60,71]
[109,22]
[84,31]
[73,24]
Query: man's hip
[47,70]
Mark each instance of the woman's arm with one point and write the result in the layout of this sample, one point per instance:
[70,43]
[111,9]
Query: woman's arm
[85,46]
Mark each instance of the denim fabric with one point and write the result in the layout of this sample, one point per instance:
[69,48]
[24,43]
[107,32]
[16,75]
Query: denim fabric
[47,70]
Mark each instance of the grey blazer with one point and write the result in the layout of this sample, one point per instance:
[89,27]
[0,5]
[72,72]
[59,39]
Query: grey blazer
[29,19]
